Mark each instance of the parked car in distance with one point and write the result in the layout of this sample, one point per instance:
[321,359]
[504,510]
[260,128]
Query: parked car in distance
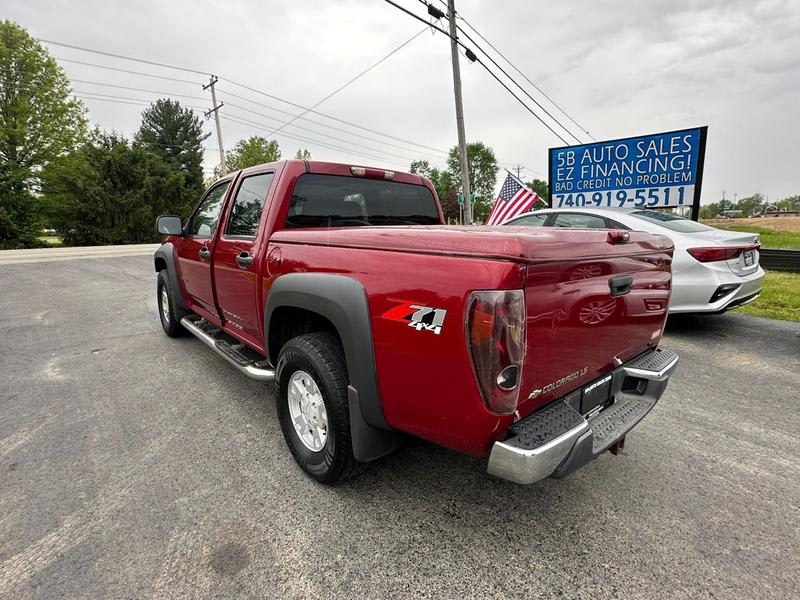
[713,270]
[373,320]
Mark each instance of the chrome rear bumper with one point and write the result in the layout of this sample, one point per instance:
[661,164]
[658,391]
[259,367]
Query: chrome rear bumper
[556,440]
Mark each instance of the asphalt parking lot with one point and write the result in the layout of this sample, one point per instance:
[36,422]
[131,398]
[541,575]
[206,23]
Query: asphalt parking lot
[133,466]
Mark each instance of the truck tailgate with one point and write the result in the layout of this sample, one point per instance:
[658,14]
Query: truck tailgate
[589,313]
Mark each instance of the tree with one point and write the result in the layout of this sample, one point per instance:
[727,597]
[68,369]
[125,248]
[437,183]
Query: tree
[540,187]
[482,168]
[252,151]
[302,154]
[110,192]
[444,185]
[709,211]
[790,203]
[176,135]
[746,205]
[39,122]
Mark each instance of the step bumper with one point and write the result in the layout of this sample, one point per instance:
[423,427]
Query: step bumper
[557,440]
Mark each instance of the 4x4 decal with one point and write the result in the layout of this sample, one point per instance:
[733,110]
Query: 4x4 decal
[418,317]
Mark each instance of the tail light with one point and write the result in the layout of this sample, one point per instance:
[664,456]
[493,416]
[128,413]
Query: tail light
[496,340]
[718,253]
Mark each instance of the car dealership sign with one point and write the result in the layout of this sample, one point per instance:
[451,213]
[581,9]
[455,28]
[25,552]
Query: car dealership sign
[652,171]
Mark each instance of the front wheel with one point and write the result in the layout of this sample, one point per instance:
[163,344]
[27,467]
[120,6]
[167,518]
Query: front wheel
[170,314]
[311,399]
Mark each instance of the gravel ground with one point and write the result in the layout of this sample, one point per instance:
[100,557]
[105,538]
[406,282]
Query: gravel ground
[133,465]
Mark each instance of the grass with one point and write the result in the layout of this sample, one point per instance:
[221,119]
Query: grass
[51,240]
[780,298]
[770,238]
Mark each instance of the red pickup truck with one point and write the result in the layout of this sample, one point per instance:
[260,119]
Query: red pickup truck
[536,348]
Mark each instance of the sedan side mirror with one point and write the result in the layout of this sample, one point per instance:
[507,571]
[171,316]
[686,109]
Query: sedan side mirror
[169,225]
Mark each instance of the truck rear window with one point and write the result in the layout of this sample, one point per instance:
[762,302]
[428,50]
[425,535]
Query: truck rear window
[335,201]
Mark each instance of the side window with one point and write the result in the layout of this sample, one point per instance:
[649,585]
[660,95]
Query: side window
[579,221]
[248,205]
[612,224]
[529,221]
[205,218]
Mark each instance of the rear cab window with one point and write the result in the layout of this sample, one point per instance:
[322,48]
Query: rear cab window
[338,201]
[247,206]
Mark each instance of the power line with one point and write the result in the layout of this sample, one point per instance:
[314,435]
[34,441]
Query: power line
[316,112]
[136,89]
[427,24]
[361,74]
[144,102]
[305,140]
[80,62]
[513,66]
[315,132]
[503,71]
[136,101]
[438,154]
[251,89]
[369,148]
[112,100]
[140,60]
[471,56]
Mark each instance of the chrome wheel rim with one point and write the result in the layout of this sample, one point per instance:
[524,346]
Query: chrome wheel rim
[307,411]
[596,312]
[165,304]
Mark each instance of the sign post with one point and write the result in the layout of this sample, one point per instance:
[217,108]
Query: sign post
[663,170]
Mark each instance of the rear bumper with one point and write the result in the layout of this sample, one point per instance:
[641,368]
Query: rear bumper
[556,440]
[691,294]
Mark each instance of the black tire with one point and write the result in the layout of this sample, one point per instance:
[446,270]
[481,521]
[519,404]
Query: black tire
[170,318]
[321,356]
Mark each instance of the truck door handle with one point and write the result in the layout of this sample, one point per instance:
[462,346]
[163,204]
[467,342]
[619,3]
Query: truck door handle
[620,285]
[204,253]
[244,260]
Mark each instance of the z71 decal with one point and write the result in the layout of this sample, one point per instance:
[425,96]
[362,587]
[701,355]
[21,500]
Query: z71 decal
[419,317]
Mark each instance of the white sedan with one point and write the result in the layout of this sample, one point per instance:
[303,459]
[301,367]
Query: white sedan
[712,270]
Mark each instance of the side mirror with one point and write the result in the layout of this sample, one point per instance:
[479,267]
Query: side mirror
[169,225]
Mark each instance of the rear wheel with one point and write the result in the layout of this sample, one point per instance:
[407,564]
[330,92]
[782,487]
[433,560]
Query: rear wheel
[170,314]
[311,398]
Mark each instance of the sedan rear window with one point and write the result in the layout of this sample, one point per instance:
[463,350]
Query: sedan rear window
[670,221]
[580,221]
[335,201]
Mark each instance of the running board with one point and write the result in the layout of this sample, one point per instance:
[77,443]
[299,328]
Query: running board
[251,369]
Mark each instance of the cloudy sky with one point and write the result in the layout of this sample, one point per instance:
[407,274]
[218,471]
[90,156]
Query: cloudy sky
[619,69]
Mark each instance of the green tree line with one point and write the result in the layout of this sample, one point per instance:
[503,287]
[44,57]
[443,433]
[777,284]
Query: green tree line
[750,206]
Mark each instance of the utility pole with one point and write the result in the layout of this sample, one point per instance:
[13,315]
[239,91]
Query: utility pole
[215,110]
[462,138]
[518,168]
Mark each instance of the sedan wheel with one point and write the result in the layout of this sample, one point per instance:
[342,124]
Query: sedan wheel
[597,311]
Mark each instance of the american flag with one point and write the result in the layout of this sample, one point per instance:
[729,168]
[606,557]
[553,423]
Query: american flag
[514,199]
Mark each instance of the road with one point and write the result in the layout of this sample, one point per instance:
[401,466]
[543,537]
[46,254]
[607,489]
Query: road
[133,465]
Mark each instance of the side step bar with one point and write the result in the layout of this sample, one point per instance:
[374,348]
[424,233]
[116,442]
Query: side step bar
[223,348]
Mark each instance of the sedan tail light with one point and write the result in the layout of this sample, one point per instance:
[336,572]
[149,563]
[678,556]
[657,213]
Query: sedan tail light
[718,253]
[496,340]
